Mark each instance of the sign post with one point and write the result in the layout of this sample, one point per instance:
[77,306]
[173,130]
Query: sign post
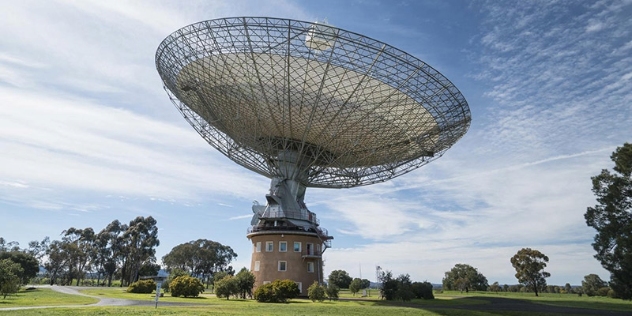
[161,277]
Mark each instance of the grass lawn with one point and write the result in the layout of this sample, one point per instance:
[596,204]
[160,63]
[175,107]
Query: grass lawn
[206,298]
[44,297]
[567,300]
[300,307]
[446,304]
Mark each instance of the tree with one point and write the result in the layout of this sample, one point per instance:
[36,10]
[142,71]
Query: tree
[38,249]
[529,264]
[9,246]
[388,286]
[111,248]
[149,269]
[202,258]
[568,288]
[612,218]
[9,277]
[404,288]
[365,284]
[495,287]
[340,278]
[141,238]
[355,286]
[82,241]
[226,287]
[28,263]
[464,277]
[316,292]
[245,282]
[56,263]
[592,283]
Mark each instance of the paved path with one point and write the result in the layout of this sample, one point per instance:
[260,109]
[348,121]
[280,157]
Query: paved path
[103,301]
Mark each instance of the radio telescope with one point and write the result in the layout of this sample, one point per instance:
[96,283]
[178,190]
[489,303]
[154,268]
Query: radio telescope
[307,105]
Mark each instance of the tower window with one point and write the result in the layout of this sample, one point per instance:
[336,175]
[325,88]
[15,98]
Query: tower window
[282,246]
[310,266]
[282,265]
[257,265]
[297,246]
[269,246]
[258,247]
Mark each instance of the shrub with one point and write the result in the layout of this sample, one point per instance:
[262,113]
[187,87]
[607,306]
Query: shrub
[316,292]
[186,286]
[332,291]
[603,291]
[278,291]
[265,294]
[142,286]
[423,290]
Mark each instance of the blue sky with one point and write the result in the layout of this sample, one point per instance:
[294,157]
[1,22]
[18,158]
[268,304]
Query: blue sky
[87,134]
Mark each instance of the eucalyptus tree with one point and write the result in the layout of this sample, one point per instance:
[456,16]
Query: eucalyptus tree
[202,258]
[82,249]
[38,248]
[612,218]
[141,238]
[529,264]
[115,247]
[464,277]
[56,263]
[9,245]
[592,283]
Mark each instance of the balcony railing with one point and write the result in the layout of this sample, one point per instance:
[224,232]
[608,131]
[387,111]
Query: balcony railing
[322,233]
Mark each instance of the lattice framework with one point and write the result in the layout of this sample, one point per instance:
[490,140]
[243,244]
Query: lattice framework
[358,111]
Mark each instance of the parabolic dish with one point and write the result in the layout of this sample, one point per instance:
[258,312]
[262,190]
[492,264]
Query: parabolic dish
[352,110]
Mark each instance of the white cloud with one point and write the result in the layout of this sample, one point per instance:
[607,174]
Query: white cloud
[77,144]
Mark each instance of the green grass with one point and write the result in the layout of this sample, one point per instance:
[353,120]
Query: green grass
[444,305]
[566,300]
[44,297]
[211,299]
[352,308]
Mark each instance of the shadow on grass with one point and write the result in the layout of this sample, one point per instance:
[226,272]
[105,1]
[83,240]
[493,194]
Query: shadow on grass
[514,306]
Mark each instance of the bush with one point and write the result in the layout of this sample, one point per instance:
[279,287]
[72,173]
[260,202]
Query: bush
[332,291]
[423,290]
[278,291]
[603,291]
[172,275]
[186,286]
[142,286]
[265,294]
[316,292]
